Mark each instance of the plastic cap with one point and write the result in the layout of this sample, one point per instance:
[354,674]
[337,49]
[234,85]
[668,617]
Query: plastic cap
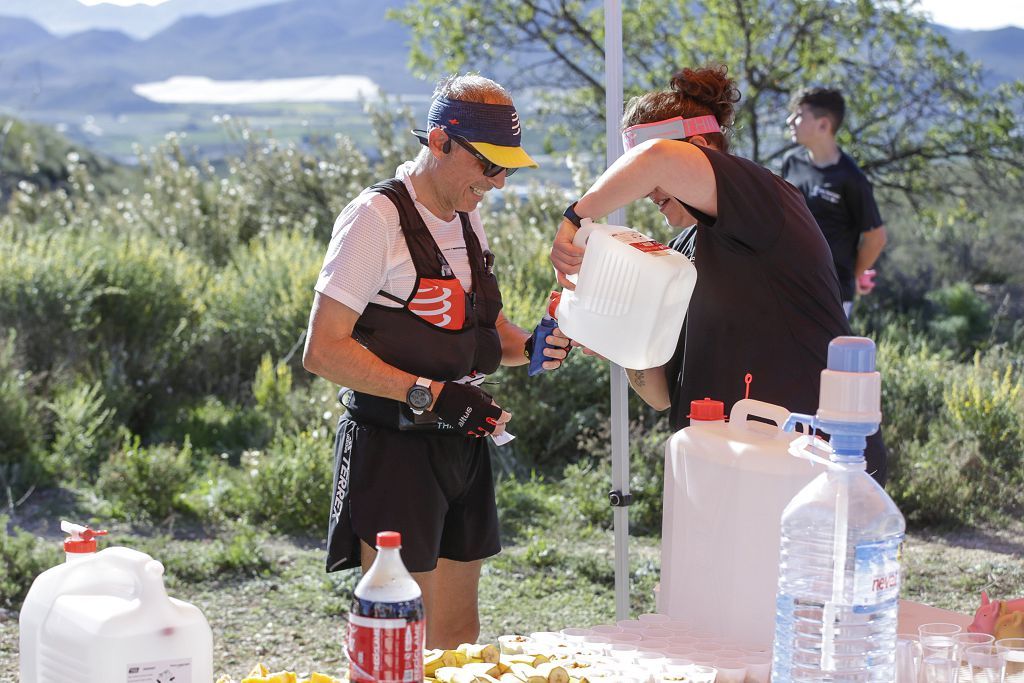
[851,354]
[81,540]
[389,539]
[707,410]
[553,300]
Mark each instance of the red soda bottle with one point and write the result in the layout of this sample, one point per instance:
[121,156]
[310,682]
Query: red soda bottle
[386,624]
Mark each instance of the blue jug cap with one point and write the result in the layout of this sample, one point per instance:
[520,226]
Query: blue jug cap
[851,354]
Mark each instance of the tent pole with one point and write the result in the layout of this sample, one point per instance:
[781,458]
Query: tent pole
[619,384]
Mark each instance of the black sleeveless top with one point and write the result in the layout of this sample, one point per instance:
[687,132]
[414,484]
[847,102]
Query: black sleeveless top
[440,331]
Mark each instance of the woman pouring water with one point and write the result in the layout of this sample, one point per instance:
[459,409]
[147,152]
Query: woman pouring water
[767,296]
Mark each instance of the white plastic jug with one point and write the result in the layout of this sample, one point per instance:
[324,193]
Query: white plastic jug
[631,296]
[726,485]
[107,619]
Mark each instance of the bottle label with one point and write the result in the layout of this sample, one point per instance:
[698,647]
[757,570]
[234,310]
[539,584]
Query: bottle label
[385,641]
[641,242]
[166,671]
[876,577]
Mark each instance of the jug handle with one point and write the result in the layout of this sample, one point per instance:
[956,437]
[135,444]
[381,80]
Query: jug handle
[745,407]
[144,573]
[587,226]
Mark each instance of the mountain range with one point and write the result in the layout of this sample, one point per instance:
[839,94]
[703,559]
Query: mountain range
[48,64]
[94,70]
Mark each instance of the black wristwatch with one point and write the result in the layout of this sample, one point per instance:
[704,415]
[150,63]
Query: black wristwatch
[419,396]
[571,214]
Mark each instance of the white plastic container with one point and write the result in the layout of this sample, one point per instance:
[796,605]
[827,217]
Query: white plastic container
[631,296]
[726,485]
[106,618]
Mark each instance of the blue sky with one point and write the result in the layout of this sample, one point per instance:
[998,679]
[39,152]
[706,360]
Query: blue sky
[976,14]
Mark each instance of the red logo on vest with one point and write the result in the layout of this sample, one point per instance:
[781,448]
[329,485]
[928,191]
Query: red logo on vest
[441,303]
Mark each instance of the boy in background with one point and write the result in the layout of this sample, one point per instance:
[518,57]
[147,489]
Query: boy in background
[838,193]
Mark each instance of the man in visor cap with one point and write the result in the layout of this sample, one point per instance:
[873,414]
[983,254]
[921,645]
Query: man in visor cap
[407,317]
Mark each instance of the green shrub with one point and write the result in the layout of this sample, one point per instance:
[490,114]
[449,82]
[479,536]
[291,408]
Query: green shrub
[257,304]
[23,557]
[289,484]
[525,505]
[147,484]
[961,318]
[83,432]
[20,428]
[968,465]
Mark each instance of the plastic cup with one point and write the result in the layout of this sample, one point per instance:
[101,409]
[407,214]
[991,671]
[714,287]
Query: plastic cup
[759,667]
[623,653]
[1013,648]
[574,635]
[700,673]
[985,663]
[597,642]
[730,671]
[546,637]
[938,668]
[654,618]
[605,629]
[961,642]
[513,644]
[908,658]
[656,632]
[626,637]
[937,639]
[630,624]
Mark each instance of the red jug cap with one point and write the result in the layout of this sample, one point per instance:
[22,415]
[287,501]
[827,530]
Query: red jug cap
[707,410]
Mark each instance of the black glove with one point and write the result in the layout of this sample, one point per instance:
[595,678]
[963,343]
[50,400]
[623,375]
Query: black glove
[467,408]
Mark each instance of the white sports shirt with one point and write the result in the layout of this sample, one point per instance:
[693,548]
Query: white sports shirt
[368,253]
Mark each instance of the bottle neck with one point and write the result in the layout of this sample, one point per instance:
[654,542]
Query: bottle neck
[389,562]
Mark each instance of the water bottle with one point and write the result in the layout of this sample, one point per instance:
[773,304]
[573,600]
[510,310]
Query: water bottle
[839,571]
[543,330]
[386,625]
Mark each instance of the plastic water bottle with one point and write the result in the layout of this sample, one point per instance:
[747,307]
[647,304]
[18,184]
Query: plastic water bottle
[386,626]
[839,572]
[543,330]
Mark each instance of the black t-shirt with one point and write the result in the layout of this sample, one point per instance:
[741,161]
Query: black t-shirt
[842,202]
[766,300]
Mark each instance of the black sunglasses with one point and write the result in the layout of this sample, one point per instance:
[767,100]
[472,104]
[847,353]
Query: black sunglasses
[491,169]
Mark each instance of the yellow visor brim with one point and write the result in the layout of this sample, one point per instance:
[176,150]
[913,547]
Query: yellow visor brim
[509,157]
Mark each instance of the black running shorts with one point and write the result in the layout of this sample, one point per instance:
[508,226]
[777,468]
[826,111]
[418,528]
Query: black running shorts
[435,489]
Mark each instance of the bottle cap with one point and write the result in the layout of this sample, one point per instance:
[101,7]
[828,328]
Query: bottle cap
[707,410]
[389,539]
[851,354]
[81,539]
[553,300]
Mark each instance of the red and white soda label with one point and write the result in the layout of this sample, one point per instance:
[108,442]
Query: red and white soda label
[386,649]
[640,241]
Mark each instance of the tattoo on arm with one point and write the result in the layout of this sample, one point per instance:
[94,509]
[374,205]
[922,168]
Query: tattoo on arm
[639,379]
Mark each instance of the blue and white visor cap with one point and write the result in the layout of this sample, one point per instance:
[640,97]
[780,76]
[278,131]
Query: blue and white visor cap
[676,128]
[492,129]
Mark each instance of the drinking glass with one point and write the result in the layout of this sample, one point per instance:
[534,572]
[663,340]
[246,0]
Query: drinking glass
[939,668]
[961,642]
[937,639]
[985,664]
[1014,650]
[908,658]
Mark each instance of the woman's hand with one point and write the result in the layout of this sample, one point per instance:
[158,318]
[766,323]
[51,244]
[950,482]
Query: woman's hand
[565,256]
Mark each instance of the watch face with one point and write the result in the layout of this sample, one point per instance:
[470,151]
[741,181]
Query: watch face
[419,397]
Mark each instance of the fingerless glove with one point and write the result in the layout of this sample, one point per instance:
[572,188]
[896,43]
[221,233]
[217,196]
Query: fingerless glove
[467,408]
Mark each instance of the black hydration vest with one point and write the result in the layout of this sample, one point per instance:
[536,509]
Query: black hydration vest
[440,331]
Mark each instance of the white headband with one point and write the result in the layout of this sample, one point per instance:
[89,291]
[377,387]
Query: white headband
[676,128]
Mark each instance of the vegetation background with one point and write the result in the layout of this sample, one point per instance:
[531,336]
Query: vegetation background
[152,317]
